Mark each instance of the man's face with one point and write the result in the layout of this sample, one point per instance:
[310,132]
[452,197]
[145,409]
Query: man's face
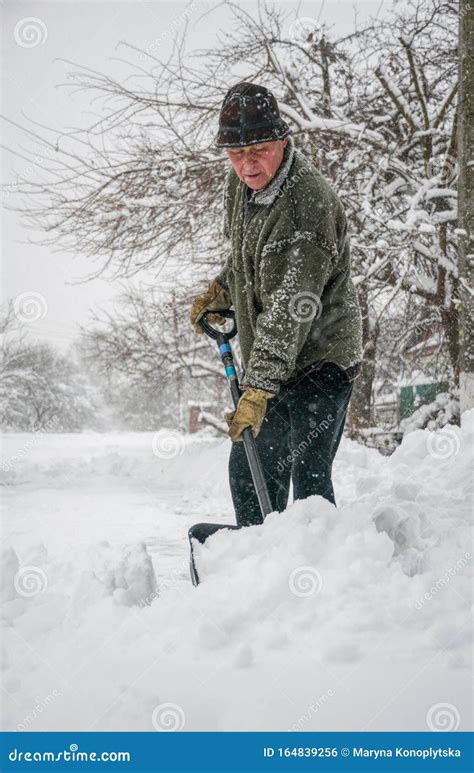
[257,164]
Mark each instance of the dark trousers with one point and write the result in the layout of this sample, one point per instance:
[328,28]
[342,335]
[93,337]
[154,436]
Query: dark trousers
[297,442]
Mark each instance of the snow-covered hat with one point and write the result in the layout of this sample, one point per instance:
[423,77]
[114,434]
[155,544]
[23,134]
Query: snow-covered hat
[249,114]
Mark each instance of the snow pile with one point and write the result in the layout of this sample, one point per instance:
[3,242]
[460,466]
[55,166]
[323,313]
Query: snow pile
[322,618]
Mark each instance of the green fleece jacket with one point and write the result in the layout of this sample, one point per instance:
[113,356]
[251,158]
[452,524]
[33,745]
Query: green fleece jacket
[288,274]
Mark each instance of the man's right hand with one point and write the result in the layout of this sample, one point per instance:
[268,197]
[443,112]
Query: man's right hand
[216,298]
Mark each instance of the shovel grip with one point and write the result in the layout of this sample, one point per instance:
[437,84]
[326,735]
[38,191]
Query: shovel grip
[212,332]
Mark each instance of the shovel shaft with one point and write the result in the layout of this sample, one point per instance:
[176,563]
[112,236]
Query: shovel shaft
[227,358]
[256,470]
[199,532]
[251,451]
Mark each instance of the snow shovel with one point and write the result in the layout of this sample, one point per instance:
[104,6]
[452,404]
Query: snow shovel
[201,531]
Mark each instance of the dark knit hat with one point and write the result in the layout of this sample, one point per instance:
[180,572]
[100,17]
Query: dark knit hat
[249,114]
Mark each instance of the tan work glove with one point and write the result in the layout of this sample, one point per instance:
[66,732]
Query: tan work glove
[250,412]
[229,417]
[216,298]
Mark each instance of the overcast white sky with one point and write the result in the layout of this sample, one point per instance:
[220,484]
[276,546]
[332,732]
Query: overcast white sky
[87,33]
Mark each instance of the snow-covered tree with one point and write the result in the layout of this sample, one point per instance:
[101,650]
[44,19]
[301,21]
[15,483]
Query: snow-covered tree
[149,343]
[413,191]
[41,389]
[145,191]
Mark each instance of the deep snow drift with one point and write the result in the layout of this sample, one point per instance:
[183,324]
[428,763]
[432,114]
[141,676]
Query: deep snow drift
[354,618]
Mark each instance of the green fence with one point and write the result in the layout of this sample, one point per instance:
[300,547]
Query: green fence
[411,397]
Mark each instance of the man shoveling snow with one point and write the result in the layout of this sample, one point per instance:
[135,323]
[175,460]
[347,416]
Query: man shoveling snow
[287,276]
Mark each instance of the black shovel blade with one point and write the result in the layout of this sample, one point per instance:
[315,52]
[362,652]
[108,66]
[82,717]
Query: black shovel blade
[200,532]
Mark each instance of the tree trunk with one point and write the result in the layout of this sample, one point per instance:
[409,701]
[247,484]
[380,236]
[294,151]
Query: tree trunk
[178,374]
[466,201]
[360,413]
[449,312]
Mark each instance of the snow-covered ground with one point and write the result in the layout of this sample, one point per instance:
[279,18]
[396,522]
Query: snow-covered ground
[355,618]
